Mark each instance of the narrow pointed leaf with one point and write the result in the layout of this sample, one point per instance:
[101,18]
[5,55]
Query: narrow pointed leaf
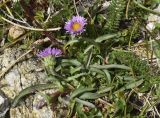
[88,48]
[131,85]
[86,103]
[89,95]
[105,90]
[81,90]
[71,42]
[70,62]
[75,76]
[106,37]
[111,66]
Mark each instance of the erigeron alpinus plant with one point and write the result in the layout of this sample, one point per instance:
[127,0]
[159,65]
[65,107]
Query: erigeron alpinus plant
[92,74]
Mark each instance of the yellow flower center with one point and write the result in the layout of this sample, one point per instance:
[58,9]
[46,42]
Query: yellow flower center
[76,26]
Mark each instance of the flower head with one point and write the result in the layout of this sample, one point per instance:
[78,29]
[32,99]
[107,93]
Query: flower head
[50,52]
[76,25]
[56,52]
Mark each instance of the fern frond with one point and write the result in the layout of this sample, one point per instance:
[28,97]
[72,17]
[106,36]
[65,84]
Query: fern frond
[134,29]
[139,66]
[115,13]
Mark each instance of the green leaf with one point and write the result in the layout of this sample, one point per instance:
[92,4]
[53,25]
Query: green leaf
[88,49]
[100,57]
[76,69]
[71,78]
[131,85]
[86,103]
[89,95]
[67,62]
[126,78]
[81,90]
[105,89]
[97,71]
[107,75]
[71,42]
[111,66]
[88,61]
[106,37]
[30,90]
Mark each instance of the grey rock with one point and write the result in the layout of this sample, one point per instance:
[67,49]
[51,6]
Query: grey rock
[22,75]
[4,104]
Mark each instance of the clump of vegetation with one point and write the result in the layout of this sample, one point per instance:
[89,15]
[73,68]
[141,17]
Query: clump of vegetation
[115,14]
[86,57]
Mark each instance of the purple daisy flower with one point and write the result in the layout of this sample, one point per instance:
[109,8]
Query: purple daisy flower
[76,25]
[56,52]
[44,53]
[50,51]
